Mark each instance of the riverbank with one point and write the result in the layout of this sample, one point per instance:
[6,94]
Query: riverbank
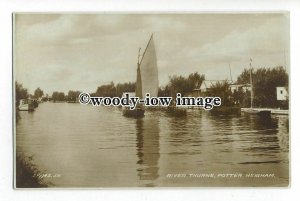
[27,174]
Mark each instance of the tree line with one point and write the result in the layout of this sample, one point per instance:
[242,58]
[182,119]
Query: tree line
[22,93]
[265,81]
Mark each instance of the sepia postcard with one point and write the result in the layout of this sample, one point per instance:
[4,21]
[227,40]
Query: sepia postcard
[110,100]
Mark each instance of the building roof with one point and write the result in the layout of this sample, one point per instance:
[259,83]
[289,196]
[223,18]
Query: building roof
[239,85]
[207,84]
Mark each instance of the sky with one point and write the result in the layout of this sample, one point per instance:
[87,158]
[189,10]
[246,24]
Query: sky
[62,52]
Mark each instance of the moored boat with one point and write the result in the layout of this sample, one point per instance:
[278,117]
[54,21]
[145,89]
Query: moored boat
[279,111]
[257,111]
[26,105]
[265,110]
[137,112]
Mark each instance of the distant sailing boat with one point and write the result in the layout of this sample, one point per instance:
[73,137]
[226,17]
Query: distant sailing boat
[146,80]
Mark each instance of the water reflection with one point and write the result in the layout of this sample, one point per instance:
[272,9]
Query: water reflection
[261,137]
[102,148]
[147,146]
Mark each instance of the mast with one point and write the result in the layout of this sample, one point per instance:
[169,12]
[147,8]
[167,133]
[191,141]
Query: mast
[284,60]
[251,83]
[138,62]
[138,84]
[230,72]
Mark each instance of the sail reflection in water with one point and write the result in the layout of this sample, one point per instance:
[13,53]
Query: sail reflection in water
[147,150]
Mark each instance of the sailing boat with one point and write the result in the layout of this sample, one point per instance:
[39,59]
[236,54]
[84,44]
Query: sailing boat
[146,80]
[251,110]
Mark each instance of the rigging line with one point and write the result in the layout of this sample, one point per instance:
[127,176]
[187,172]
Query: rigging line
[146,48]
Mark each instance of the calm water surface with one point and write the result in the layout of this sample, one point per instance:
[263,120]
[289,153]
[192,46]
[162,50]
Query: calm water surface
[98,147]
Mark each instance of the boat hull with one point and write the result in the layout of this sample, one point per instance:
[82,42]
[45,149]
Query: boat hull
[136,113]
[26,105]
[260,112]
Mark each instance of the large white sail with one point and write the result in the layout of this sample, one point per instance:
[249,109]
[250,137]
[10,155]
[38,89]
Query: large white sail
[148,70]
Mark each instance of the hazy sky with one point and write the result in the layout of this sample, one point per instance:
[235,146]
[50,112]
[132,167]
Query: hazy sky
[80,51]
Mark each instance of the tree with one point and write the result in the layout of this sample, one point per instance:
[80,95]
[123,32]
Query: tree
[38,93]
[20,93]
[195,80]
[222,90]
[180,84]
[58,96]
[73,95]
[241,98]
[126,87]
[108,90]
[61,96]
[265,81]
[164,91]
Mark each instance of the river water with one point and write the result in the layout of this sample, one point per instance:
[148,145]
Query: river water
[86,146]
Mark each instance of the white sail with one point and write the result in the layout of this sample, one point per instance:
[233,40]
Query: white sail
[148,70]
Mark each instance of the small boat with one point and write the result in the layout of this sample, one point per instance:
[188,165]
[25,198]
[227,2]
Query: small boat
[137,112]
[257,111]
[146,80]
[26,105]
[280,112]
[265,111]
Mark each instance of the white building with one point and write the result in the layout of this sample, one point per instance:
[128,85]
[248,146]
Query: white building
[236,87]
[282,93]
